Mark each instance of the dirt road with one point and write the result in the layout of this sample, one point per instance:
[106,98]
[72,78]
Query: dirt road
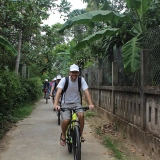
[37,138]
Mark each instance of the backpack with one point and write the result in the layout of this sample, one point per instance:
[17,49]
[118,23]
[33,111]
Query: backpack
[55,86]
[46,85]
[66,86]
[55,89]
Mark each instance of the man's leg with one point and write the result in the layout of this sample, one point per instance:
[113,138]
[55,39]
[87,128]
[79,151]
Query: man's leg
[81,120]
[64,126]
[65,121]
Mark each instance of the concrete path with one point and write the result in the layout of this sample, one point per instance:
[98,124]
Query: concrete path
[37,138]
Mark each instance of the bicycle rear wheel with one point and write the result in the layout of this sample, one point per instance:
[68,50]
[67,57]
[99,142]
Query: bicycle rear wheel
[47,95]
[76,144]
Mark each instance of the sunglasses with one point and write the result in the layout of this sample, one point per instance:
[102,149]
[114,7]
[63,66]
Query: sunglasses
[74,72]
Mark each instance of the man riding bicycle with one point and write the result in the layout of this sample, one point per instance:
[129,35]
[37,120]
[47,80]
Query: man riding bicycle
[46,87]
[54,87]
[71,98]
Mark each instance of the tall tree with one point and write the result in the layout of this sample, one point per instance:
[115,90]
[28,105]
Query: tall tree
[25,17]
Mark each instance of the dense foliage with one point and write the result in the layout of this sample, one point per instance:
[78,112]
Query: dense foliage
[31,52]
[15,92]
[26,51]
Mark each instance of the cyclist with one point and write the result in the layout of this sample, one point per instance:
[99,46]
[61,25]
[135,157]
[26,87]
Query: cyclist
[46,86]
[71,98]
[54,86]
[53,80]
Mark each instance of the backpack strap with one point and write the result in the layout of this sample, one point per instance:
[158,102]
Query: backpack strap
[79,87]
[65,88]
[66,84]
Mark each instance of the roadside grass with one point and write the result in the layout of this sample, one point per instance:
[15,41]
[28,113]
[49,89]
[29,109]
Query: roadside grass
[108,142]
[22,112]
[18,114]
[89,114]
[115,141]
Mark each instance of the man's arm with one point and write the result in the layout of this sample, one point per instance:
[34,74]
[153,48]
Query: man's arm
[89,100]
[56,101]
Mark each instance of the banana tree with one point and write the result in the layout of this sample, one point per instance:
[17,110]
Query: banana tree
[132,48]
[7,54]
[6,44]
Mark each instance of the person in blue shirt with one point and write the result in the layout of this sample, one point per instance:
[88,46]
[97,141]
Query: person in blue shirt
[46,87]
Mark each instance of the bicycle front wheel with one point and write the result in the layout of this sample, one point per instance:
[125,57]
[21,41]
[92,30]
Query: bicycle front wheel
[69,139]
[76,144]
[58,114]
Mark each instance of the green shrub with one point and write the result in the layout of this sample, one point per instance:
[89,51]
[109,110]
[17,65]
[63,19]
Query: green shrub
[15,92]
[10,89]
[32,88]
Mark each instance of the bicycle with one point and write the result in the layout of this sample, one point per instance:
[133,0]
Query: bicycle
[46,95]
[57,112]
[73,138]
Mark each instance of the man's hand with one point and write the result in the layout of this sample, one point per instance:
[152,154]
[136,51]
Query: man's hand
[56,107]
[91,106]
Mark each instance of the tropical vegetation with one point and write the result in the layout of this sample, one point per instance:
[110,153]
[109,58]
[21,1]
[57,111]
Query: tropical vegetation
[26,53]
[131,23]
[31,51]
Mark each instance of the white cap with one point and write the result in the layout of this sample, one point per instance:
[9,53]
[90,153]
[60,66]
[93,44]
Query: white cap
[46,80]
[54,79]
[74,68]
[59,77]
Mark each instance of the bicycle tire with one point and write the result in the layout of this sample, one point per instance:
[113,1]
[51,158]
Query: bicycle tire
[58,117]
[76,144]
[69,140]
[46,98]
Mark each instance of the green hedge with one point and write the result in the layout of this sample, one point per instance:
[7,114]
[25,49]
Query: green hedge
[14,92]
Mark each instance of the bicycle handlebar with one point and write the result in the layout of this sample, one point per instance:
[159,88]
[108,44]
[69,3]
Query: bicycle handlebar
[74,109]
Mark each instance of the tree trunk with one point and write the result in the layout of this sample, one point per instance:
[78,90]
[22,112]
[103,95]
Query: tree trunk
[19,52]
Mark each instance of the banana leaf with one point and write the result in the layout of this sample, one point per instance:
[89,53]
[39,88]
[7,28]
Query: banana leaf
[141,6]
[131,55]
[5,43]
[96,36]
[93,16]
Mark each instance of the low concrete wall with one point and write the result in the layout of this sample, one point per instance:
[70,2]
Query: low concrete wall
[128,114]
[134,109]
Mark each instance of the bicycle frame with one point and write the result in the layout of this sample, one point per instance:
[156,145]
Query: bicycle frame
[72,123]
[73,133]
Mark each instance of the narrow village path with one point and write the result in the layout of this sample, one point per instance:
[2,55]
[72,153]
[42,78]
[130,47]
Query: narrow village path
[37,138]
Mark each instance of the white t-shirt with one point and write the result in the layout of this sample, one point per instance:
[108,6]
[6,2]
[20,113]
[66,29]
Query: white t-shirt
[72,94]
